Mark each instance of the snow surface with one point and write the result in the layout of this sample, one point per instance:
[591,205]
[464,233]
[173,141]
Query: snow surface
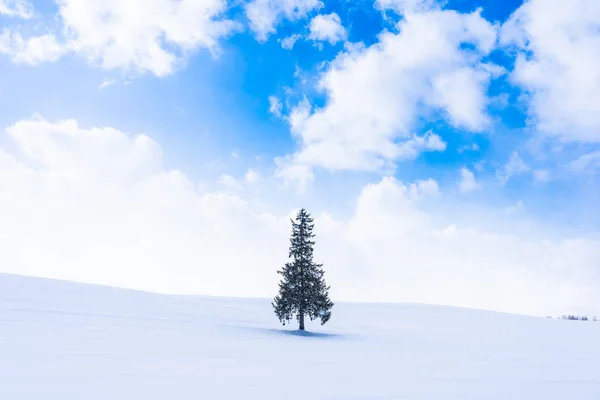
[62,340]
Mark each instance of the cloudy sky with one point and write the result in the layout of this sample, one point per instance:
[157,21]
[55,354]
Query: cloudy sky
[448,150]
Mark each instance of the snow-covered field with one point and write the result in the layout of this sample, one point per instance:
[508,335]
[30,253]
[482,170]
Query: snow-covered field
[61,340]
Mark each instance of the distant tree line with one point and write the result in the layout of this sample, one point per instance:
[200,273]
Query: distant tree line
[572,317]
[578,318]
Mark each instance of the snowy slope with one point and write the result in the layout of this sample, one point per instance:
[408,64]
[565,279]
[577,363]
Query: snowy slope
[61,340]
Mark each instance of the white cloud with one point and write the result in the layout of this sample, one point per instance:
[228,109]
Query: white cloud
[558,45]
[405,253]
[542,175]
[106,83]
[517,208]
[514,166]
[293,175]
[469,147]
[586,162]
[468,183]
[327,28]
[136,35]
[428,187]
[32,51]
[275,106]
[252,177]
[403,6]
[264,15]
[376,95]
[229,182]
[16,8]
[460,93]
[97,205]
[289,42]
[299,114]
[141,36]
[411,148]
[71,154]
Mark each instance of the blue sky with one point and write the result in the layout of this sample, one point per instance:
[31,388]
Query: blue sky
[314,103]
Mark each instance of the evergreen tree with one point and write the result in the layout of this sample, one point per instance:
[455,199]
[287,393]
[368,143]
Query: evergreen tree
[302,290]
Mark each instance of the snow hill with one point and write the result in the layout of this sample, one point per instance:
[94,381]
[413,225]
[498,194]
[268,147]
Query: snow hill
[62,340]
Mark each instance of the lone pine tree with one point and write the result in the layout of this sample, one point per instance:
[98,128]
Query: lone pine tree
[302,290]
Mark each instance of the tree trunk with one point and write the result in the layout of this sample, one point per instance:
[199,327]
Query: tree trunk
[301,322]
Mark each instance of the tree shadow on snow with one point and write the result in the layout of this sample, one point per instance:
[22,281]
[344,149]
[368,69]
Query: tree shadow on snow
[298,332]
